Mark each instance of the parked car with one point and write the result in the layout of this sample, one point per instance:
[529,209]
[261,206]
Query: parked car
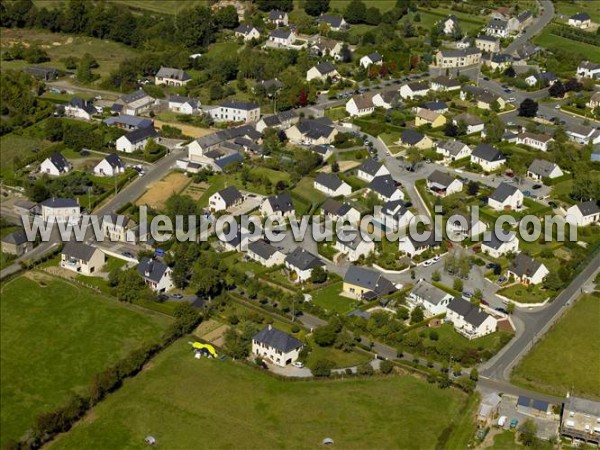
[467,294]
[298,364]
[502,280]
[177,296]
[536,186]
[436,258]
[502,310]
[427,263]
[514,423]
[127,254]
[553,205]
[159,252]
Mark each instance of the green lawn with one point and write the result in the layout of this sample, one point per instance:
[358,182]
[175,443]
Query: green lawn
[187,403]
[576,338]
[382,5]
[568,8]
[160,6]
[506,440]
[548,40]
[55,338]
[523,294]
[15,146]
[330,299]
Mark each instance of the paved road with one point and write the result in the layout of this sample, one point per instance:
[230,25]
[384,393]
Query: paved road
[547,13]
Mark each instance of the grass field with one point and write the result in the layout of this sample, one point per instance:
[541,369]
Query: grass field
[382,5]
[568,8]
[158,6]
[330,299]
[189,403]
[547,40]
[55,337]
[13,145]
[576,338]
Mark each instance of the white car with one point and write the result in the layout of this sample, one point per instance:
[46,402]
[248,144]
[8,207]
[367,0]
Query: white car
[435,259]
[511,100]
[298,364]
[427,263]
[557,107]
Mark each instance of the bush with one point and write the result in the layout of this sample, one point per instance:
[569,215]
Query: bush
[322,368]
[386,367]
[366,369]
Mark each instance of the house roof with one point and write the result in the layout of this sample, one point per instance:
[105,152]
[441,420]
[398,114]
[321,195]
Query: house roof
[80,103]
[193,102]
[59,161]
[274,338]
[428,115]
[273,84]
[589,65]
[503,191]
[497,24]
[79,250]
[281,33]
[244,29]
[524,16]
[453,147]
[132,121]
[582,405]
[500,58]
[238,104]
[114,161]
[536,137]
[469,220]
[542,167]
[446,81]
[411,137]
[545,77]
[496,242]
[315,128]
[396,208]
[384,185]
[334,21]
[170,72]
[276,14]
[17,237]
[459,53]
[60,203]
[369,279]
[488,153]
[141,134]
[230,195]
[370,166]
[134,96]
[364,101]
[325,67]
[588,208]
[440,178]
[262,248]
[429,292]
[281,202]
[303,260]
[228,159]
[485,37]
[331,206]
[418,86]
[151,269]
[329,180]
[581,16]
[470,313]
[375,57]
[524,265]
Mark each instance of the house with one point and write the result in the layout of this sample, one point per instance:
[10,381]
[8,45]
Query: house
[437,106]
[412,90]
[324,151]
[301,263]
[583,214]
[276,346]
[483,98]
[216,141]
[331,185]
[413,247]
[502,12]
[580,420]
[247,32]
[156,275]
[312,132]
[82,258]
[489,408]
[444,84]
[527,270]
[225,199]
[394,216]
[372,58]
[109,166]
[63,210]
[328,47]
[541,80]
[583,135]
[133,104]
[594,101]
[216,160]
[449,25]
[284,119]
[80,109]
[533,140]
[488,157]
[498,61]
[25,207]
[56,165]
[473,123]
[278,18]
[427,117]
[385,99]
[587,69]
[360,105]
[120,228]
[384,187]
[497,27]
[241,8]
[335,23]
[524,19]
[506,196]
[442,184]
[371,169]
[136,140]
[264,253]
[413,138]
[355,248]
[453,150]
[469,320]
[184,105]
[580,20]
[540,169]
[367,284]
[489,44]
[236,111]
[128,122]
[496,247]
[340,211]
[282,37]
[458,58]
[16,243]
[464,225]
[169,76]
[42,73]
[432,299]
[322,71]
[278,205]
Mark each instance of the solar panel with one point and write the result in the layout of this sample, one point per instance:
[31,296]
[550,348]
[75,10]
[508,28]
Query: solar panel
[523,401]
[540,405]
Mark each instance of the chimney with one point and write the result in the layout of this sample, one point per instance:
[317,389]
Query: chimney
[149,266]
[270,327]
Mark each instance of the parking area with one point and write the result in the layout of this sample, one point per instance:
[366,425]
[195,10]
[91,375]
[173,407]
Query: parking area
[523,408]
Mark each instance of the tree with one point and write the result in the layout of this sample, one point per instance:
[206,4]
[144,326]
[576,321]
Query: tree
[494,129]
[335,167]
[386,367]
[373,16]
[129,286]
[365,369]
[206,281]
[324,336]
[53,129]
[457,285]
[557,90]
[528,433]
[345,53]
[316,7]
[435,275]
[450,129]
[227,17]
[321,368]
[355,12]
[573,85]
[528,108]
[474,375]
[509,72]
[473,188]
[553,281]
[416,315]
[318,275]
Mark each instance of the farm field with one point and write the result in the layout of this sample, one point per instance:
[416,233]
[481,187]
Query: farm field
[568,8]
[158,6]
[159,192]
[55,338]
[15,146]
[205,395]
[547,40]
[577,371]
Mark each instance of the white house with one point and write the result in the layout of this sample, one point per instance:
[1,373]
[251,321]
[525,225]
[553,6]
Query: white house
[322,71]
[497,27]
[360,105]
[225,199]
[340,211]
[80,109]
[331,185]
[432,299]
[265,254]
[133,104]
[236,111]
[594,101]
[82,258]
[371,169]
[537,141]
[488,157]
[356,248]
[282,37]
[247,32]
[385,188]
[385,99]
[278,18]
[451,58]
[444,83]
[583,135]
[136,140]
[527,270]
[473,123]
[119,228]
[328,47]
[372,58]
[301,263]
[469,320]
[580,20]
[278,205]
[442,184]
[541,80]
[453,150]
[583,214]
[506,196]
[496,247]
[109,166]
[488,44]
[412,90]
[169,76]
[318,131]
[64,210]
[464,225]
[156,275]
[413,246]
[540,169]
[55,165]
[395,216]
[335,23]
[449,25]
[276,346]
[183,105]
[588,69]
